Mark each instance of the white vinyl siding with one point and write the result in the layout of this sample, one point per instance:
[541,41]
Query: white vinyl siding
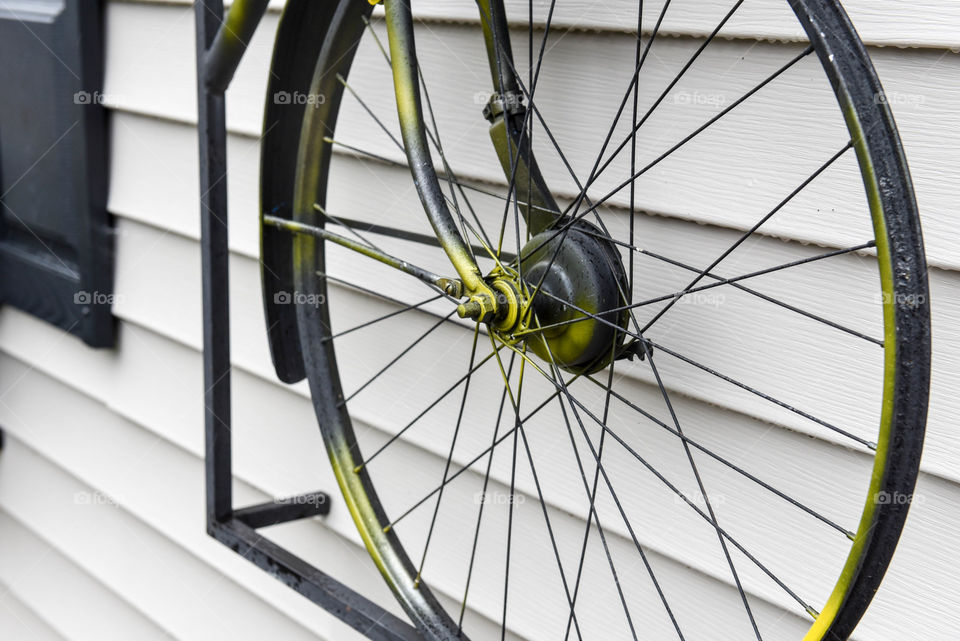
[101,478]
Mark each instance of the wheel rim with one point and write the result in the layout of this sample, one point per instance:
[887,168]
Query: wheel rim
[906,353]
[906,356]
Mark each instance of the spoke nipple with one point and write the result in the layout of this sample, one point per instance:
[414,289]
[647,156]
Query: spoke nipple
[386,529]
[416,583]
[357,469]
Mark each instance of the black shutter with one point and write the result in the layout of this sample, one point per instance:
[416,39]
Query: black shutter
[56,240]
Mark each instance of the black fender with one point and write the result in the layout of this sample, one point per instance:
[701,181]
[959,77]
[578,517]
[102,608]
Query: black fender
[303,27]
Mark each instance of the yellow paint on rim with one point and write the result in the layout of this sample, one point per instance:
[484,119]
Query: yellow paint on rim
[841,590]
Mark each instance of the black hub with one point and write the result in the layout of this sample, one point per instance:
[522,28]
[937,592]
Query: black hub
[586,335]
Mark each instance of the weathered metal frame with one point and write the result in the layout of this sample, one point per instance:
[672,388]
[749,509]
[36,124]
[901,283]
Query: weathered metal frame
[221,42]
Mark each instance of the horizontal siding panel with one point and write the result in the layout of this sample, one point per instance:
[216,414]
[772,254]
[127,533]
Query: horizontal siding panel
[159,362]
[170,498]
[151,298]
[901,23]
[930,520]
[178,479]
[73,455]
[922,85]
[49,582]
[142,404]
[18,620]
[152,279]
[190,599]
[276,444]
[884,22]
[174,448]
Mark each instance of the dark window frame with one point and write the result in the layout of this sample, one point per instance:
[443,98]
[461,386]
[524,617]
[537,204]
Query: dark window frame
[56,236]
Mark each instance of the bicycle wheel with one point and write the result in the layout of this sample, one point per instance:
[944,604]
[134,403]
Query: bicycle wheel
[705,411]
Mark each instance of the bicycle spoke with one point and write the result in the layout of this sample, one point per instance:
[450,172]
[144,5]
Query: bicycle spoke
[592,494]
[460,183]
[369,111]
[483,494]
[638,124]
[849,534]
[531,84]
[557,380]
[376,294]
[435,140]
[700,485]
[453,445]
[397,358]
[868,444]
[450,176]
[720,281]
[515,402]
[402,234]
[750,231]
[573,401]
[339,221]
[809,609]
[384,317]
[413,422]
[633,146]
[518,425]
[503,437]
[733,282]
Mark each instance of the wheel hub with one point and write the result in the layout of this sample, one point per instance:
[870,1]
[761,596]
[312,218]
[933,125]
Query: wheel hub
[566,303]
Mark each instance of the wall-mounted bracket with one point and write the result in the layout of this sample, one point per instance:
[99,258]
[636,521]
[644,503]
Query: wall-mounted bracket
[220,46]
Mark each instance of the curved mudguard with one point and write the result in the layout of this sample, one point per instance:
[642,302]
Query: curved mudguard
[291,70]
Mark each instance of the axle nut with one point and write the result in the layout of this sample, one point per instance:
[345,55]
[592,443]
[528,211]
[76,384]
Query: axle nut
[480,308]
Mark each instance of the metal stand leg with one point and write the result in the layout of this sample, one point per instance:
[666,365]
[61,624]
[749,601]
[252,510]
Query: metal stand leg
[220,46]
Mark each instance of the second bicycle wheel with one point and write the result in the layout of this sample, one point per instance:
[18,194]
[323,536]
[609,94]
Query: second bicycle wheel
[733,456]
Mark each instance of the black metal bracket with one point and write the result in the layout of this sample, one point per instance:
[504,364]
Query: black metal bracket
[221,43]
